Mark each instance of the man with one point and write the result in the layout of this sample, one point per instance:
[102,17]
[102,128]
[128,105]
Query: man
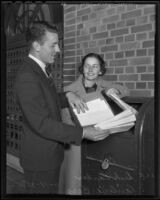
[44,135]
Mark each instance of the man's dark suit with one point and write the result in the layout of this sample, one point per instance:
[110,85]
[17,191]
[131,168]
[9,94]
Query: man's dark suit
[43,133]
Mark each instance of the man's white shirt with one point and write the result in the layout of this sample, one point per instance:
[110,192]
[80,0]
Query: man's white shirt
[40,63]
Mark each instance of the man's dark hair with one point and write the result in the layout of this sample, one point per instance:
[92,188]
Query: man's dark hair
[98,57]
[37,30]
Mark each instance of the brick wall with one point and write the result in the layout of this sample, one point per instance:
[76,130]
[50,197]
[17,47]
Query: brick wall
[122,33]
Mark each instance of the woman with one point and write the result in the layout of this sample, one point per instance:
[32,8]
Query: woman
[88,86]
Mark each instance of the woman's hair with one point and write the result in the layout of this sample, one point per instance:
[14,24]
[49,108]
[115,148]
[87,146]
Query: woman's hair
[37,31]
[99,58]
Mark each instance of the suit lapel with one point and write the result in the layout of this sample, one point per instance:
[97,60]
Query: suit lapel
[37,69]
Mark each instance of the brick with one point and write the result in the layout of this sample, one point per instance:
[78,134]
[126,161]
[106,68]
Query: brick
[119,39]
[84,32]
[70,22]
[93,29]
[119,70]
[68,78]
[129,46]
[69,34]
[129,70]
[101,42]
[69,59]
[110,11]
[141,69]
[141,28]
[83,38]
[68,10]
[152,18]
[148,44]
[152,34]
[69,41]
[68,72]
[83,6]
[109,48]
[69,47]
[120,24]
[109,70]
[102,28]
[80,26]
[130,37]
[120,62]
[147,77]
[78,59]
[89,50]
[140,93]
[92,43]
[69,53]
[70,15]
[130,85]
[84,45]
[130,22]
[111,26]
[149,10]
[100,35]
[69,66]
[109,56]
[141,52]
[150,85]
[140,85]
[142,20]
[99,7]
[119,32]
[110,19]
[119,55]
[69,28]
[140,61]
[129,53]
[84,18]
[109,41]
[78,45]
[131,14]
[128,77]
[79,52]
[110,77]
[150,68]
[131,7]
[121,9]
[83,12]
[141,36]
[92,16]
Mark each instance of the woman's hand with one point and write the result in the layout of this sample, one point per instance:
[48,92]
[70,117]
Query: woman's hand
[113,91]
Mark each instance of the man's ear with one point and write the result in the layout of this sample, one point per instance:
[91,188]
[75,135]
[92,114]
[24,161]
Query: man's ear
[36,45]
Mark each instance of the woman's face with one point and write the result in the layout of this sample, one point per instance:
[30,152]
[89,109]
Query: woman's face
[91,68]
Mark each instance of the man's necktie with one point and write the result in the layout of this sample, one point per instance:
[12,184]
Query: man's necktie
[48,72]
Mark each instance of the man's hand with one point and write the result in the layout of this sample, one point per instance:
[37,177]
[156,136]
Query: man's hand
[94,134]
[76,102]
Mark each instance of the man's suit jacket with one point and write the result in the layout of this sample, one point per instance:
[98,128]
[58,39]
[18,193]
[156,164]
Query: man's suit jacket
[44,134]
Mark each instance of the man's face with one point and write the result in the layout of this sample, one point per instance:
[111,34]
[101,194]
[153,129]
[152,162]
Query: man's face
[49,48]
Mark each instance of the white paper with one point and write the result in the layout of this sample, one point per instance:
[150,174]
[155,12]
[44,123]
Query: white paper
[98,111]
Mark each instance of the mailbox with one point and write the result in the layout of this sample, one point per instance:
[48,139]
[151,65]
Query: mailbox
[123,163]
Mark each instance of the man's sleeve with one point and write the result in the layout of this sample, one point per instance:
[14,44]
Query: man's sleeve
[36,112]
